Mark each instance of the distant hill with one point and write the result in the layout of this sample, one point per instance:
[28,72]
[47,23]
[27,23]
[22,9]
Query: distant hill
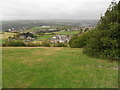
[26,24]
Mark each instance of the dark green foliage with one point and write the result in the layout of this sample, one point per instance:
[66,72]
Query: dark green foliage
[79,41]
[86,29]
[45,44]
[27,34]
[60,45]
[104,44]
[105,41]
[14,43]
[119,12]
[33,44]
[74,42]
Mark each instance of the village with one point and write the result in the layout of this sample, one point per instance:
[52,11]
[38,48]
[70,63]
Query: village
[52,34]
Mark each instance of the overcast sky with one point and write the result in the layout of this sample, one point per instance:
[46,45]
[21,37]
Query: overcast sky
[53,9]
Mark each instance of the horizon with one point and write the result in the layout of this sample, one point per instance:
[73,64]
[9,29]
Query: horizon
[44,19]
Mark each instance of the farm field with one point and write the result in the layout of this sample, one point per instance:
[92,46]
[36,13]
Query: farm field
[47,36]
[53,67]
[7,34]
[38,28]
[44,37]
[67,32]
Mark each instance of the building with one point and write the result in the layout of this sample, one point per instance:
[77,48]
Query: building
[45,26]
[60,38]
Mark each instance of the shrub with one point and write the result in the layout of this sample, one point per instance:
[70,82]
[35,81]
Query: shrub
[105,43]
[45,44]
[60,45]
[33,44]
[79,41]
[14,43]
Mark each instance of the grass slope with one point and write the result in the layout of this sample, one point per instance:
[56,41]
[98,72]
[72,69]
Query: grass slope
[56,68]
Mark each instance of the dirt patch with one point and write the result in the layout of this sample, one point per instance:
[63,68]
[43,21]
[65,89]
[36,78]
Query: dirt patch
[114,68]
[43,52]
[68,54]
[47,51]
[100,61]
[39,60]
[24,47]
[29,62]
[37,47]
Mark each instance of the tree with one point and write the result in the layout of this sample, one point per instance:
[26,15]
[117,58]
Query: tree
[104,42]
[80,41]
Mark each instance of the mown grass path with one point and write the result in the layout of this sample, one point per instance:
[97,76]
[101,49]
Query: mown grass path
[56,68]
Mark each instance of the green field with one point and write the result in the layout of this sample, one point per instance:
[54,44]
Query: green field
[38,28]
[44,37]
[67,32]
[56,68]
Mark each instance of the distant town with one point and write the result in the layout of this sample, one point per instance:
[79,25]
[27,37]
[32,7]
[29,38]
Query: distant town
[51,34]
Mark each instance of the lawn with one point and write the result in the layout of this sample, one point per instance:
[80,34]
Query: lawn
[55,67]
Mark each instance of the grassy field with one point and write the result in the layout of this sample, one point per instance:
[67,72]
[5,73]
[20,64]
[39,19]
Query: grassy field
[56,68]
[7,34]
[44,37]
[67,32]
[39,28]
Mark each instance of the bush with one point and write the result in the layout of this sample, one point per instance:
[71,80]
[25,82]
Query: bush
[45,44]
[105,43]
[14,43]
[60,45]
[79,41]
[33,44]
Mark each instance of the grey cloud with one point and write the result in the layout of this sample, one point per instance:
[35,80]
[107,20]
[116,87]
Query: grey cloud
[53,9]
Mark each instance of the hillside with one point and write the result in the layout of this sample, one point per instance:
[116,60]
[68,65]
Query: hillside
[56,68]
[27,24]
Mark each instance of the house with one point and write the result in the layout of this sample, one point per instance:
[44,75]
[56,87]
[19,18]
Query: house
[45,26]
[22,36]
[60,38]
[27,36]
